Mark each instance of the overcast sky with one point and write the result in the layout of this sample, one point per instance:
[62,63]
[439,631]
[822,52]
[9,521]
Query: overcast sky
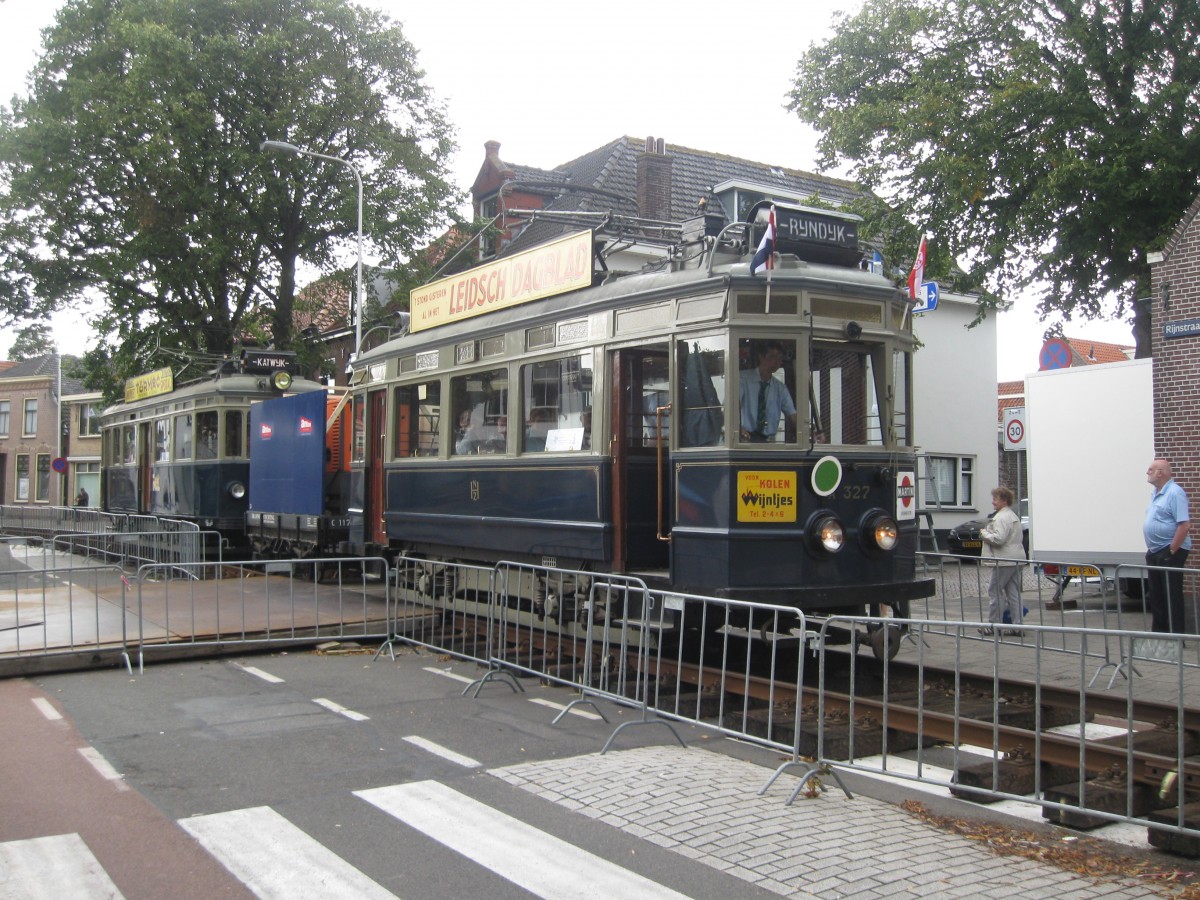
[551,81]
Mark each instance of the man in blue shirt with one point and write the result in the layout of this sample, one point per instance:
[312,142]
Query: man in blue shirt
[1167,544]
[764,398]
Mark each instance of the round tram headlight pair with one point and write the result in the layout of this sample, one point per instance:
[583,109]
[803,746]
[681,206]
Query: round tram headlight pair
[825,533]
[237,490]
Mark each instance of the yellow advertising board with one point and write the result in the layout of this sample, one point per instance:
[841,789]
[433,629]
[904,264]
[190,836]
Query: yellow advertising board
[766,496]
[160,381]
[554,268]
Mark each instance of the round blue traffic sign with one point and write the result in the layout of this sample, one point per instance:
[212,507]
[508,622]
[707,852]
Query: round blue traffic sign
[1056,354]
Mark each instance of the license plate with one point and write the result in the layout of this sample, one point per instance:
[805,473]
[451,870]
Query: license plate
[1083,571]
[972,544]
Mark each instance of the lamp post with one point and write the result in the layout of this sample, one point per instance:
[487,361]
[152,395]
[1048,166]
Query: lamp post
[292,150]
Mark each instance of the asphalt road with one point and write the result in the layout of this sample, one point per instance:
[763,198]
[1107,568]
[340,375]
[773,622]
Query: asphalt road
[312,755]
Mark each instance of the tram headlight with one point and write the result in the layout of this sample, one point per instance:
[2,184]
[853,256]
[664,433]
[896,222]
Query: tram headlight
[883,531]
[237,490]
[282,380]
[826,534]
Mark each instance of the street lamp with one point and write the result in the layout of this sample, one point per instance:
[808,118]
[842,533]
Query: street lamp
[292,150]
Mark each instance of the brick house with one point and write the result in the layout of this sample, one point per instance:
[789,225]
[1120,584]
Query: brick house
[1174,307]
[32,433]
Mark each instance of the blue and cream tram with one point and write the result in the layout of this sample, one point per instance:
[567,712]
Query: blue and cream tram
[182,452]
[542,410]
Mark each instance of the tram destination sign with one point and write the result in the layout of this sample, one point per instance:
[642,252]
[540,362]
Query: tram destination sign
[553,268]
[813,234]
[160,381]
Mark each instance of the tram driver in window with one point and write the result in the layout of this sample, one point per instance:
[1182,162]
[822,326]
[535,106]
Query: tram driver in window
[765,399]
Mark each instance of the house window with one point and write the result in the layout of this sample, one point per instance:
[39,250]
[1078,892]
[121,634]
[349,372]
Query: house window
[43,478]
[30,417]
[950,481]
[23,477]
[89,419]
[4,406]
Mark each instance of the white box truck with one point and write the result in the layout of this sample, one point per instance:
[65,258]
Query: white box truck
[1089,441]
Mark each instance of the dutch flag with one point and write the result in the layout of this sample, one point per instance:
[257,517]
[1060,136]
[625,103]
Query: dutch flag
[764,258]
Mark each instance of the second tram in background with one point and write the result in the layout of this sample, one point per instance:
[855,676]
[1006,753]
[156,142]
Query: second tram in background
[183,452]
[711,430]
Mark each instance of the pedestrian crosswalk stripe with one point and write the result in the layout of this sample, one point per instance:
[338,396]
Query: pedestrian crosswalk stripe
[48,868]
[540,863]
[275,859]
[443,752]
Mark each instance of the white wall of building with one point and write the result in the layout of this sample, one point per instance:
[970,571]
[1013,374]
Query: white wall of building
[954,391]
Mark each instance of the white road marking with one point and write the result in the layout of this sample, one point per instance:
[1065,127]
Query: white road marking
[49,868]
[46,708]
[340,710]
[265,676]
[445,673]
[275,859]
[102,766]
[443,752]
[531,859]
[575,710]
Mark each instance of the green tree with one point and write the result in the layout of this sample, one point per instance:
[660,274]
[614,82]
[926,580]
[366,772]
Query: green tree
[133,169]
[1047,141]
[31,342]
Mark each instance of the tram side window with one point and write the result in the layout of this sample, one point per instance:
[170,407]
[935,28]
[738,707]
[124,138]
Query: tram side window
[556,397]
[162,440]
[418,417]
[767,390]
[206,434]
[701,368]
[479,405]
[128,444]
[900,380]
[235,432]
[358,449]
[183,437]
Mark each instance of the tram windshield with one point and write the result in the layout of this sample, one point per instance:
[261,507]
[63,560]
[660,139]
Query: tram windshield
[843,396]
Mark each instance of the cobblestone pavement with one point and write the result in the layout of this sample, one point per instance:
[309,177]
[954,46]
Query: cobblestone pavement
[706,806]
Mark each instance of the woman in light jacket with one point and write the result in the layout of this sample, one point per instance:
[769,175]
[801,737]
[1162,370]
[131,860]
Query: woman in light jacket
[1002,542]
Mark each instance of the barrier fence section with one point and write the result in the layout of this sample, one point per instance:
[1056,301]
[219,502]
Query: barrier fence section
[440,606]
[57,604]
[728,665]
[262,603]
[1004,720]
[1079,597]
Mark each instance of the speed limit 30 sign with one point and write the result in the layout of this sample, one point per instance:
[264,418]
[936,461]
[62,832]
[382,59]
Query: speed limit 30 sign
[1014,428]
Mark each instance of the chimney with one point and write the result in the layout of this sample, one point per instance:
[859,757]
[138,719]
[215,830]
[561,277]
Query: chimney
[654,181]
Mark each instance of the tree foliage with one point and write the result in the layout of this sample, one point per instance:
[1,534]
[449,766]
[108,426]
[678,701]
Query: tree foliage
[32,341]
[133,168]
[1047,141]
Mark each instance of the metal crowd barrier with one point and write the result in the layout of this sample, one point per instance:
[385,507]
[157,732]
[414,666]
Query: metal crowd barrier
[261,604]
[951,722]
[1084,599]
[610,637]
[58,605]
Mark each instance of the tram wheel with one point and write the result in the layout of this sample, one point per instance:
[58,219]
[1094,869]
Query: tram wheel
[885,642]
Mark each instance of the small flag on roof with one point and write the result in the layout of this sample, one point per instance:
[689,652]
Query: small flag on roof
[764,258]
[917,275]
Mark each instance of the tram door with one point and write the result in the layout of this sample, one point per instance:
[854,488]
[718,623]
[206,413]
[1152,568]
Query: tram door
[373,514]
[145,455]
[640,387]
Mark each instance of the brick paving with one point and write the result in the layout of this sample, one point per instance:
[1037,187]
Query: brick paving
[706,806]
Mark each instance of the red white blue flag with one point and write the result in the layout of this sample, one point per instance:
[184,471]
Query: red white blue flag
[764,258]
[917,275]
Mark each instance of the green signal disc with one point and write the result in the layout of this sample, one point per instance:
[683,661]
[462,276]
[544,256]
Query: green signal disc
[826,475]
